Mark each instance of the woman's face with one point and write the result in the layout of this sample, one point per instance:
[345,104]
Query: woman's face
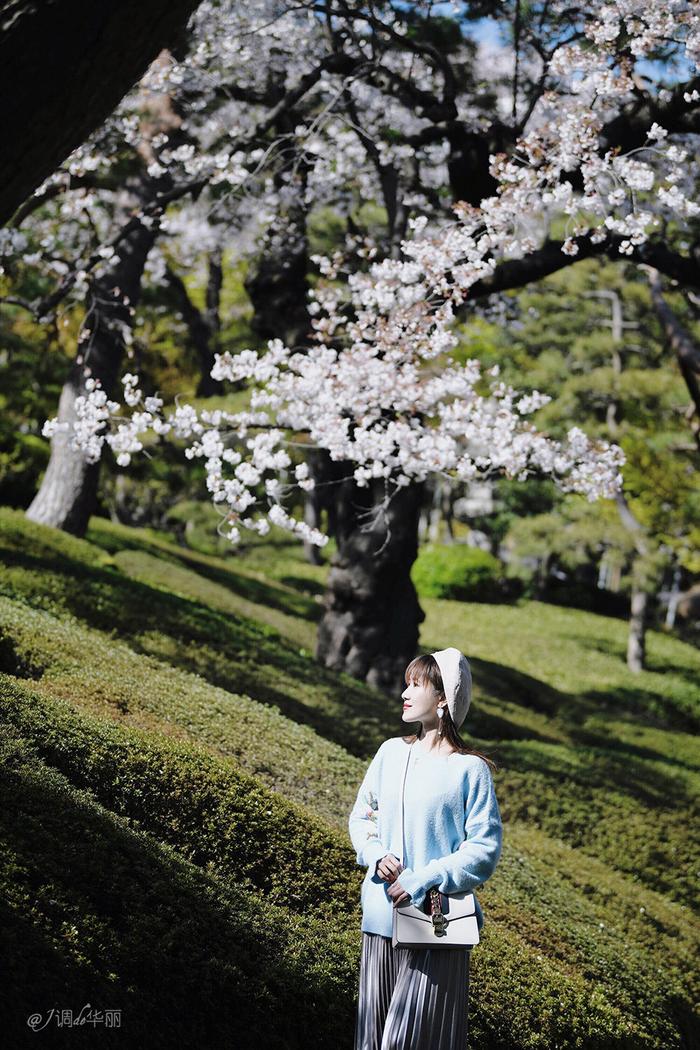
[419,702]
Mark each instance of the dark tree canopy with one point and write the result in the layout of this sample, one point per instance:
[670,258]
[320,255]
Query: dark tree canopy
[64,66]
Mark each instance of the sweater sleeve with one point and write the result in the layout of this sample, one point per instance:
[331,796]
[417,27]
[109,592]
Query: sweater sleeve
[476,859]
[363,820]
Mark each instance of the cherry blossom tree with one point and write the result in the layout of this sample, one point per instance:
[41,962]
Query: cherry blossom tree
[471,198]
[166,159]
[67,495]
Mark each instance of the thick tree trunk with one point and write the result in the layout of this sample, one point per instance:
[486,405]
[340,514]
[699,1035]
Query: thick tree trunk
[89,54]
[203,326]
[370,625]
[276,283]
[277,287]
[68,491]
[67,494]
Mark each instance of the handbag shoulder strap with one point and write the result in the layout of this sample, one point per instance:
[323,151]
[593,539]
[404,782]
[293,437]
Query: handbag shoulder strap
[403,784]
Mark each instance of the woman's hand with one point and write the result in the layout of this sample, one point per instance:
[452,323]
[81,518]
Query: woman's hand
[389,868]
[398,893]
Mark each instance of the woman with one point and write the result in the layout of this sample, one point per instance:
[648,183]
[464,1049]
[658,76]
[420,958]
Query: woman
[417,998]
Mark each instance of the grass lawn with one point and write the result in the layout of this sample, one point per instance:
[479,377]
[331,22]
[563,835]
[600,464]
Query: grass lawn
[176,762]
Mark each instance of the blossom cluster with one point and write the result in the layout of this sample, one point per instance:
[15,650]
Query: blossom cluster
[364,390]
[588,81]
[377,413]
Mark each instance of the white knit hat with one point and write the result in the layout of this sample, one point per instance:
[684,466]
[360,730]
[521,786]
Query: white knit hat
[457,682]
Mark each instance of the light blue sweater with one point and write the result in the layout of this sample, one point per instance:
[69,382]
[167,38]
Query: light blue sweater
[452,827]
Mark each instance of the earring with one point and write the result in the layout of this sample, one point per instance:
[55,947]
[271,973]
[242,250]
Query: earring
[441,712]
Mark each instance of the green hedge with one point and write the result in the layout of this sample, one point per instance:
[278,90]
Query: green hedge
[593,797]
[460,572]
[105,677]
[184,800]
[208,809]
[73,578]
[565,937]
[97,911]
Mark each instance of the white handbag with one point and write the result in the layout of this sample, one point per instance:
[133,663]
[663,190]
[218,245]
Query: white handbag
[444,920]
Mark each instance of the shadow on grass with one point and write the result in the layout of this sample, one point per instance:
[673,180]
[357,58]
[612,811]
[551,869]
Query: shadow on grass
[98,912]
[656,707]
[233,652]
[645,706]
[613,769]
[595,739]
[153,569]
[304,585]
[288,595]
[503,682]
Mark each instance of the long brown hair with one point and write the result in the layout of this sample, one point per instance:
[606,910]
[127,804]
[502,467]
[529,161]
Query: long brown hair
[426,671]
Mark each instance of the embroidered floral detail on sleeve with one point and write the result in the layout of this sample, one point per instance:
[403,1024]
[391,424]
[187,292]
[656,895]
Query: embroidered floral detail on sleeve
[371,812]
[372,806]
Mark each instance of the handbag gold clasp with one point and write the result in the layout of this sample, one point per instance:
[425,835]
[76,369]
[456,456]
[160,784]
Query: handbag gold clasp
[438,919]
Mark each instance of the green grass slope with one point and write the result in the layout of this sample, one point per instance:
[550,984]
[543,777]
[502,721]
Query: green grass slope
[191,719]
[255,847]
[96,910]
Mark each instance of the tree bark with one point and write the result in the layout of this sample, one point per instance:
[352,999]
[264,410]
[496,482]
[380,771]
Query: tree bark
[90,55]
[277,287]
[639,598]
[276,283]
[370,624]
[203,326]
[636,638]
[68,492]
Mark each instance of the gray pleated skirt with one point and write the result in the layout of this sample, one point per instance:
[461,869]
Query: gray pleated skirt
[411,998]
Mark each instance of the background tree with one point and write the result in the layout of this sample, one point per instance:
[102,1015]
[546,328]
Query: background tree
[604,359]
[68,492]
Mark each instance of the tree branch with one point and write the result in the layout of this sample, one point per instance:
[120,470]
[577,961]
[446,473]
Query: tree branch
[681,342]
[515,273]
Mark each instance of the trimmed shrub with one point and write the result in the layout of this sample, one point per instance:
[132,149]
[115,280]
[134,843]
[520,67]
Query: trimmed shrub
[596,789]
[97,911]
[461,572]
[161,948]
